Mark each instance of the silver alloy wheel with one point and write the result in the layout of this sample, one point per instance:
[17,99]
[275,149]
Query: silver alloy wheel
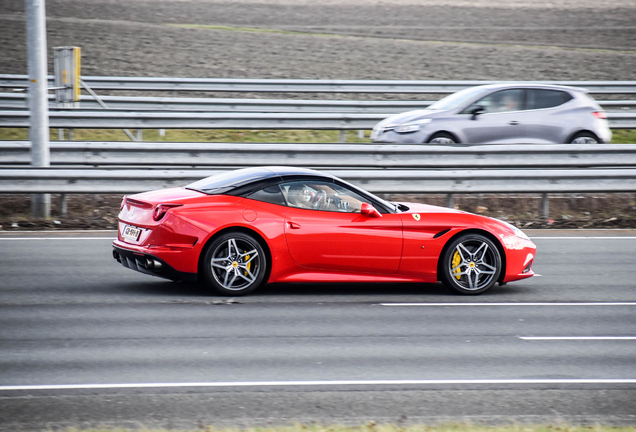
[474,264]
[584,140]
[441,140]
[236,264]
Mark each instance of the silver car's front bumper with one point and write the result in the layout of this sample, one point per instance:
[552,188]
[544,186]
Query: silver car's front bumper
[388,135]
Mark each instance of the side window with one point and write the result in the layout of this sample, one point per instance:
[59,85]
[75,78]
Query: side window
[542,98]
[325,196]
[501,101]
[271,194]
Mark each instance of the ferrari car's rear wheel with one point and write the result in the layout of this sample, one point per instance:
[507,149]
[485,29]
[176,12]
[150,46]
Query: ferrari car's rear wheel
[471,264]
[235,264]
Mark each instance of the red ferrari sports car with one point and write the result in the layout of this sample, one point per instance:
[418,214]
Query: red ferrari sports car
[238,230]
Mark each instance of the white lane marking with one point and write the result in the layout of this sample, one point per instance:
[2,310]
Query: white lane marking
[317,383]
[577,337]
[582,238]
[58,238]
[512,304]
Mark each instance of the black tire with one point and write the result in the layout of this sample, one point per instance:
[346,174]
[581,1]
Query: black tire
[471,264]
[584,138]
[234,264]
[442,138]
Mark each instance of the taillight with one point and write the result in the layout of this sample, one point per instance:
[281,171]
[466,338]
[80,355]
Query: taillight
[123,203]
[161,209]
[599,114]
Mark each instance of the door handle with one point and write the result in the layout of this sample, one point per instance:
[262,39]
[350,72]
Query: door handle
[293,225]
[514,123]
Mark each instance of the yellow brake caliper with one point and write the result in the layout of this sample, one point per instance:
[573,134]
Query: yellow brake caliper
[249,264]
[456,260]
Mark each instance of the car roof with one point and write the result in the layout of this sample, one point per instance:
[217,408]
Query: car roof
[521,84]
[244,180]
[285,171]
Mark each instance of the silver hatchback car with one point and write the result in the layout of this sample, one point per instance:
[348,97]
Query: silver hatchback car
[501,113]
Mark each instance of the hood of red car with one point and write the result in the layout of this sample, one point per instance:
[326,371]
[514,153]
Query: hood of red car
[427,208]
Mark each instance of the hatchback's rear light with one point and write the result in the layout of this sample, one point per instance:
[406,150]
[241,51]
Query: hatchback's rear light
[161,209]
[123,203]
[599,114]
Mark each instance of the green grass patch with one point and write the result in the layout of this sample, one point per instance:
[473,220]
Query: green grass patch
[198,135]
[619,136]
[624,136]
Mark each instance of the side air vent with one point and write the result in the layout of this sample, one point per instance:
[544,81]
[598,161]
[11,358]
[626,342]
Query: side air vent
[441,233]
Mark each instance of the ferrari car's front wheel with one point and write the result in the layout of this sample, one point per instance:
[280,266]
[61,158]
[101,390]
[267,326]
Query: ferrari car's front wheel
[235,264]
[471,264]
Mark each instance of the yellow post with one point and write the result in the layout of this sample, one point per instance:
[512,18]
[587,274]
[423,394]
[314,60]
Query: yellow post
[77,53]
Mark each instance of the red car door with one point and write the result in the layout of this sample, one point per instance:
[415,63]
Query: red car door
[330,233]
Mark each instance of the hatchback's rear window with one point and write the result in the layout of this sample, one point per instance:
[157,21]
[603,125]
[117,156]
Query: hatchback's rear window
[543,98]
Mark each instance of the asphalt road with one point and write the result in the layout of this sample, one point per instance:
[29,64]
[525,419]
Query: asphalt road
[85,342]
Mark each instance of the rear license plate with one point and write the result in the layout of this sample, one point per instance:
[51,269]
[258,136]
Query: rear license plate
[131,233]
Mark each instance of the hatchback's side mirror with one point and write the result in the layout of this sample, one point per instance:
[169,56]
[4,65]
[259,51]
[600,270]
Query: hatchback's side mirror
[476,111]
[368,210]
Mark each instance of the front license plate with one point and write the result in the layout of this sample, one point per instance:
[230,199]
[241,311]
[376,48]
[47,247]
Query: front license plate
[131,233]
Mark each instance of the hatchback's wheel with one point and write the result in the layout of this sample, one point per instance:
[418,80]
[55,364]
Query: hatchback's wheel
[584,138]
[442,138]
[234,264]
[471,264]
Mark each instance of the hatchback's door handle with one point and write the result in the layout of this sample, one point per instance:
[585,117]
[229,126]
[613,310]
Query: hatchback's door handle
[514,123]
[293,225]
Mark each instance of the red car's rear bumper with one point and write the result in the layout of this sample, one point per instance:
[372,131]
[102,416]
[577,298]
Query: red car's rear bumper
[140,259]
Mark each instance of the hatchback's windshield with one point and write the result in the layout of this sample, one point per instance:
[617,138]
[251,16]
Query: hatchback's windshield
[457,100]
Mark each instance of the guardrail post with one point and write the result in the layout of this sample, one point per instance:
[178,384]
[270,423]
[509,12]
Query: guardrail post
[63,205]
[39,104]
[162,133]
[450,200]
[343,136]
[140,134]
[545,206]
[60,134]
[360,134]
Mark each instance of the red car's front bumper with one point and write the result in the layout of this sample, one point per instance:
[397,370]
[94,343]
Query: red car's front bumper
[519,260]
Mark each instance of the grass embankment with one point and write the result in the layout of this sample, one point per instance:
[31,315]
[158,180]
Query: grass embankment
[198,135]
[213,135]
[373,427]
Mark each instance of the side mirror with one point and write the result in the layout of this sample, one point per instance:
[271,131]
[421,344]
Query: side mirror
[476,111]
[368,210]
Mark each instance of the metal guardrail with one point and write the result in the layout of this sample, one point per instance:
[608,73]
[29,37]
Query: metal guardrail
[64,181]
[196,120]
[321,156]
[305,86]
[13,101]
[239,120]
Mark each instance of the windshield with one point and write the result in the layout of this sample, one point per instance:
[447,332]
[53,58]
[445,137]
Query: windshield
[389,205]
[457,100]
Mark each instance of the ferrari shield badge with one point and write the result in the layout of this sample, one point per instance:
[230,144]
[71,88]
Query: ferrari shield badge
[416,217]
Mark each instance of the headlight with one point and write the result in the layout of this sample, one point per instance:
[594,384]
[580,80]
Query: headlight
[516,230]
[411,127]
